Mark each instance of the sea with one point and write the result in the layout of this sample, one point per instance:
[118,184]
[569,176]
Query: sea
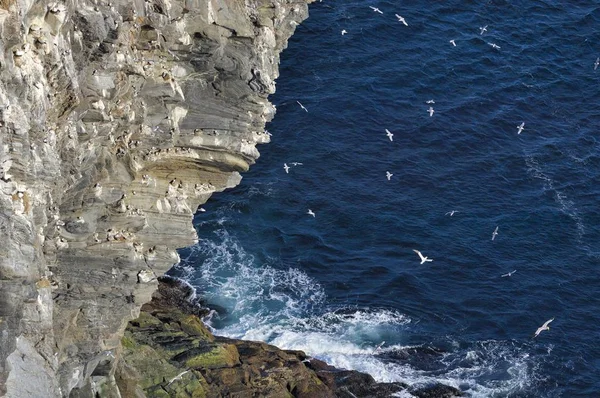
[346,285]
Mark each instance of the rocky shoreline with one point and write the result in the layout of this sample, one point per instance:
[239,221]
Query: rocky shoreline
[169,352]
[117,120]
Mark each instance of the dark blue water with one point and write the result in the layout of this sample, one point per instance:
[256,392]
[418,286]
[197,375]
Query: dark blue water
[339,284]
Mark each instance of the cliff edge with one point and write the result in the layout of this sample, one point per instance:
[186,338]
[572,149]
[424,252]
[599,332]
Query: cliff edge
[117,120]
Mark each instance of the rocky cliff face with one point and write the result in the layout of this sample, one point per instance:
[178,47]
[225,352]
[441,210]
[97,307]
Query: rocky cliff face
[117,120]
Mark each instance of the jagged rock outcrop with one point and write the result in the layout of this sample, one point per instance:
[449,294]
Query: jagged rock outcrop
[117,120]
[168,352]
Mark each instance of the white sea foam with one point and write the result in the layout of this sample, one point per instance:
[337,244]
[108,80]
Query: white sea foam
[261,190]
[287,308]
[567,206]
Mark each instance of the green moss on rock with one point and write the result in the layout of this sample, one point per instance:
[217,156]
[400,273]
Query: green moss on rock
[194,327]
[221,356]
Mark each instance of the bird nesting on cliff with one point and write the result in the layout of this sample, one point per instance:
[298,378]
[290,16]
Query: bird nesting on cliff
[61,243]
[145,180]
[57,8]
[120,206]
[97,189]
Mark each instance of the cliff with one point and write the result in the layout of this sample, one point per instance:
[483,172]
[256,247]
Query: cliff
[117,120]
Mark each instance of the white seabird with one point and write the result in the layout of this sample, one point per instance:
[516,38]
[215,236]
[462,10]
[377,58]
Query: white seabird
[378,347]
[453,42]
[389,134]
[344,32]
[375,9]
[482,29]
[400,19]
[297,164]
[430,101]
[430,110]
[597,63]
[508,274]
[286,168]
[520,127]
[302,106]
[543,327]
[388,175]
[310,213]
[495,233]
[423,258]
[451,212]
[494,45]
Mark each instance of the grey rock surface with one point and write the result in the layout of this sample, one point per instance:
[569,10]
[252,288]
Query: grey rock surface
[117,120]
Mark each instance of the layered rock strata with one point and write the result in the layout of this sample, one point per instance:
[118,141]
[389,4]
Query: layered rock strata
[117,120]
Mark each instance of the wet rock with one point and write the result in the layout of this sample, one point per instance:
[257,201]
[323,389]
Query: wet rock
[437,391]
[196,363]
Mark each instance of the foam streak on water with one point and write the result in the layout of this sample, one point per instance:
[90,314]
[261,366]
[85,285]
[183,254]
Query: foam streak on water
[340,284]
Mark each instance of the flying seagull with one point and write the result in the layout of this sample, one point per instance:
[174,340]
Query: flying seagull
[310,213]
[494,45]
[423,258]
[495,233]
[451,212]
[453,42]
[378,347]
[389,134]
[344,32]
[286,168]
[597,63]
[430,101]
[520,127]
[400,19]
[543,327]
[302,106]
[482,29]
[508,274]
[430,110]
[388,175]
[375,9]
[297,164]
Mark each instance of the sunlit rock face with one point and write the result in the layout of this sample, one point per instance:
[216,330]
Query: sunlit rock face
[117,120]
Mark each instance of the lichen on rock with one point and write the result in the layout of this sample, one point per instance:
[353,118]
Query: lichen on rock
[163,357]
